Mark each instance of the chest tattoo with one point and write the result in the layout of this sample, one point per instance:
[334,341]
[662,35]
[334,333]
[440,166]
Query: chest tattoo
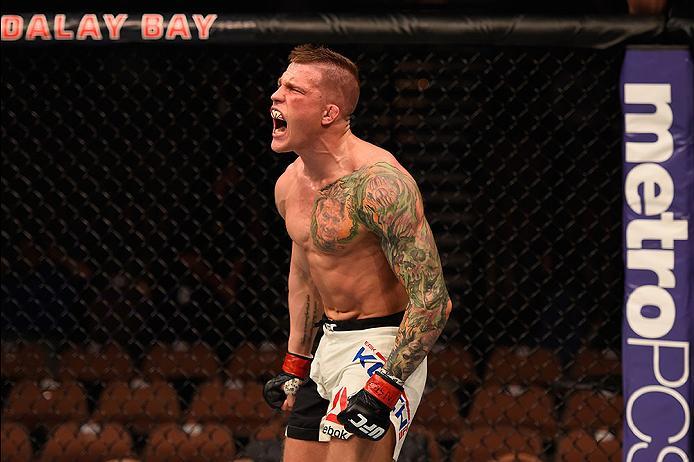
[333,221]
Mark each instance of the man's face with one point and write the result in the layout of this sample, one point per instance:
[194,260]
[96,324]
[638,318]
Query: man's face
[297,108]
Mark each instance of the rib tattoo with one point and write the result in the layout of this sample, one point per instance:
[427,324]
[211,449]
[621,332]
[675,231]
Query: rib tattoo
[312,314]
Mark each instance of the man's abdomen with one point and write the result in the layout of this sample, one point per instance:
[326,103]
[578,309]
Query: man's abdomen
[357,284]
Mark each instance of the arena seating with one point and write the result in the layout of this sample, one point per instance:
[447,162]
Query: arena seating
[512,412]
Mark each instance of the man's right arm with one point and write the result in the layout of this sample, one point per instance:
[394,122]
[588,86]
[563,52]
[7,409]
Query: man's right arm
[305,309]
[305,305]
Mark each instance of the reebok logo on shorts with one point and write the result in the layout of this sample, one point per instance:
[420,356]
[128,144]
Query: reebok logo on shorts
[335,432]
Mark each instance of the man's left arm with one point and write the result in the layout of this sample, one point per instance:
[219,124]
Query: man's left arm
[391,207]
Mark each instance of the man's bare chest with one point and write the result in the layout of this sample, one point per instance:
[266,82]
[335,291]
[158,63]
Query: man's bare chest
[326,221]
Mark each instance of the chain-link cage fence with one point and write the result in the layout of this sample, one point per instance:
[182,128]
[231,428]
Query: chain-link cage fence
[144,266]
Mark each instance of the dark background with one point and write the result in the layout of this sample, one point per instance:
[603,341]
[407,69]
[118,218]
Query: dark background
[133,175]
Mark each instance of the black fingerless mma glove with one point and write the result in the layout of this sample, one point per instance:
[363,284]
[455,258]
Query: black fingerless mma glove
[294,373]
[367,414]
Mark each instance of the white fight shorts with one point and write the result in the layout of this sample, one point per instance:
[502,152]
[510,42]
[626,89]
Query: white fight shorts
[348,353]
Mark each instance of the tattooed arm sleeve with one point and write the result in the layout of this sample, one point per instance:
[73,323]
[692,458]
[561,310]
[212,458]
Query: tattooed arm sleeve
[305,305]
[391,207]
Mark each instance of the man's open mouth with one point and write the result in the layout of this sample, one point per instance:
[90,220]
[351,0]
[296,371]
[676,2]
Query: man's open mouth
[279,124]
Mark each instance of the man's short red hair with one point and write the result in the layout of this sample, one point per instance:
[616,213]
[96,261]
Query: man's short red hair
[339,72]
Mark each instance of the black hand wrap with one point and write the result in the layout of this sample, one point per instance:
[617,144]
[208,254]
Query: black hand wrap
[367,414]
[294,374]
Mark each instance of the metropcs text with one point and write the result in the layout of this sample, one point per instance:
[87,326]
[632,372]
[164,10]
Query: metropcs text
[649,190]
[106,27]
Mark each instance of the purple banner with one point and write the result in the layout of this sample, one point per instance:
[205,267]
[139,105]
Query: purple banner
[657,94]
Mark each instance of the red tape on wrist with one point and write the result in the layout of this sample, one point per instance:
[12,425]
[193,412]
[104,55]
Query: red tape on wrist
[296,365]
[384,391]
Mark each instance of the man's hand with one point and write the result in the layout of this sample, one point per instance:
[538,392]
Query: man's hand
[279,391]
[367,414]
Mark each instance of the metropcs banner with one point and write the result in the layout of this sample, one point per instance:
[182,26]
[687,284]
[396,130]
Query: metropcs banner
[657,86]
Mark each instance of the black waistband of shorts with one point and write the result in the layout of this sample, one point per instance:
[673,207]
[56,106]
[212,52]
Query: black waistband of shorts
[392,320]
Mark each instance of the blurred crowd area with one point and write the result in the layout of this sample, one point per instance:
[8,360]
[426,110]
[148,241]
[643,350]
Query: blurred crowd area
[182,402]
[144,266]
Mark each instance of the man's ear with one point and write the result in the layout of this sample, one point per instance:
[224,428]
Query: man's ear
[330,114]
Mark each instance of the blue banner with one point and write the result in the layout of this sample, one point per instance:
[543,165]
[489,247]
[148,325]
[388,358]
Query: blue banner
[657,86]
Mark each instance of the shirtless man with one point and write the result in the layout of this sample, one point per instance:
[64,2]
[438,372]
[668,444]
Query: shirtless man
[363,259]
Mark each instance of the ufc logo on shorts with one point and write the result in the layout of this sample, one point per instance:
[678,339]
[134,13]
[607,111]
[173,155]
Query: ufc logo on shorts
[373,430]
